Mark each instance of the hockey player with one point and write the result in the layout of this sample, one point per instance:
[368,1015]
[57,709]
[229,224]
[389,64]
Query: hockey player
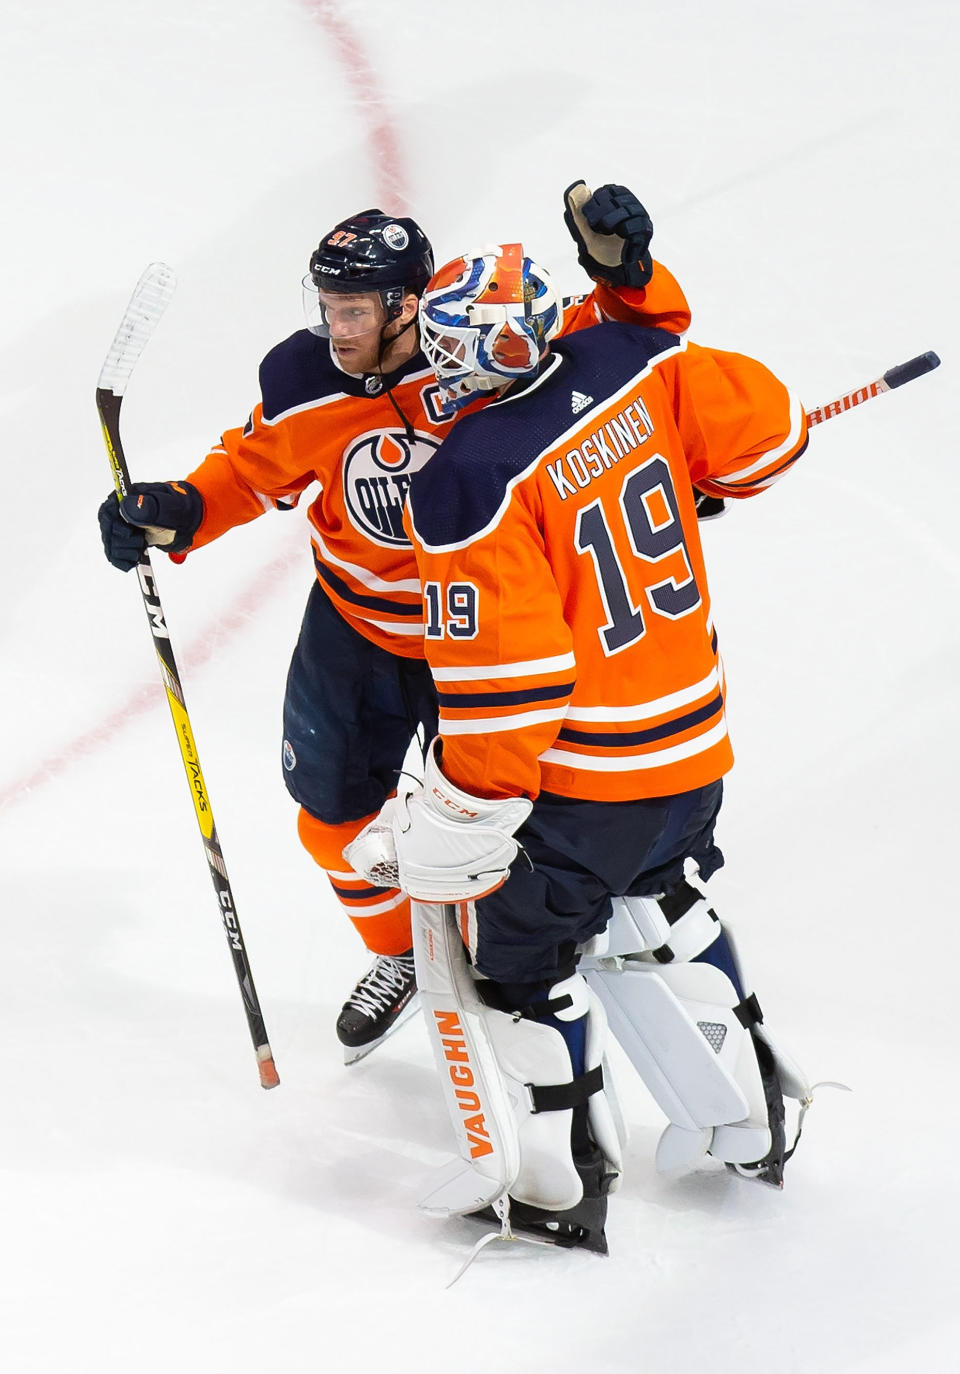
[570,634]
[350,403]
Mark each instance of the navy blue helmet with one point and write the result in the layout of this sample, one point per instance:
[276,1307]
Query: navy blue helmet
[372,251]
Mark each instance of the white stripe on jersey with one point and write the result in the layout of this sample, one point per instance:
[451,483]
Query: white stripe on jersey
[531,667]
[488,725]
[644,710]
[369,579]
[394,627]
[376,910]
[299,410]
[633,762]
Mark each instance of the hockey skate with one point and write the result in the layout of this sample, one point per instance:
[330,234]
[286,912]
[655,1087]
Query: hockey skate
[582,1225]
[385,997]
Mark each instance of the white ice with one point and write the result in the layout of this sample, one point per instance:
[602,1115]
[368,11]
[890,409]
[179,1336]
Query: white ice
[158,1210]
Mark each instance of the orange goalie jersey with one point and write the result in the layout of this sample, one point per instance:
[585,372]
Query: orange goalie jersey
[316,423]
[568,622]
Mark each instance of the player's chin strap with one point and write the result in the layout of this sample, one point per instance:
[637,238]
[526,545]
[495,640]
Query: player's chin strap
[408,428]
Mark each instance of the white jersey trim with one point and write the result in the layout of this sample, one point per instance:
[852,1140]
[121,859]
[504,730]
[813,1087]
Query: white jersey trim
[369,579]
[531,667]
[299,410]
[489,725]
[635,762]
[646,709]
[358,912]
[391,626]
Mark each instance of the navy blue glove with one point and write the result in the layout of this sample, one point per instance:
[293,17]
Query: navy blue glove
[708,507]
[167,514]
[612,232]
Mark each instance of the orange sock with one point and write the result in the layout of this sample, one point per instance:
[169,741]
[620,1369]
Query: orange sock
[380,914]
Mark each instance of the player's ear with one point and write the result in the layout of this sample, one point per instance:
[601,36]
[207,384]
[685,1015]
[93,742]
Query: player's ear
[408,311]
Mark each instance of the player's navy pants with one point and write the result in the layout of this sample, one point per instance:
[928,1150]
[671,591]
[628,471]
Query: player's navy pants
[350,712]
[584,852]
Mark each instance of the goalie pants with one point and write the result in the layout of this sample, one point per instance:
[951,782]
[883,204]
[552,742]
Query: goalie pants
[583,853]
[350,712]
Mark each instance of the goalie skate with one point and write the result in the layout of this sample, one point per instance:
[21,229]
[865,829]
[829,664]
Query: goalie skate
[581,1225]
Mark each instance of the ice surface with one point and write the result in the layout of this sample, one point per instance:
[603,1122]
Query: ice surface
[159,1211]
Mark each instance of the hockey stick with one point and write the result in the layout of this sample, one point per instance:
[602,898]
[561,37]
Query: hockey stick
[712,507]
[149,300]
[894,377]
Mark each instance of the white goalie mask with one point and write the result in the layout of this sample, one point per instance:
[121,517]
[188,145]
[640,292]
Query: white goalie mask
[485,320]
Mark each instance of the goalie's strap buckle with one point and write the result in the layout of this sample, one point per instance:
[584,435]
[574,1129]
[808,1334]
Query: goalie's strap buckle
[748,1012]
[675,905]
[559,1097]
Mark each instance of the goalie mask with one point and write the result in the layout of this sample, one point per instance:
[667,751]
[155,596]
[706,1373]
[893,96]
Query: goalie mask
[485,320]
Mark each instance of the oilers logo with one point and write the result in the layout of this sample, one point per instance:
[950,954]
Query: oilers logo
[377,469]
[395,236]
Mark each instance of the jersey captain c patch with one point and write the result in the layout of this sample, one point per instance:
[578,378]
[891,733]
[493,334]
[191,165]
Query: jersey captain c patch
[377,468]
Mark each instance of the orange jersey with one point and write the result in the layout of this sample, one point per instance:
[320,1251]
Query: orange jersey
[316,423]
[568,622]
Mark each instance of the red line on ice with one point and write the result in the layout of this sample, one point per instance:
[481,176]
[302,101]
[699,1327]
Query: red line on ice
[372,104]
[149,695]
[384,148]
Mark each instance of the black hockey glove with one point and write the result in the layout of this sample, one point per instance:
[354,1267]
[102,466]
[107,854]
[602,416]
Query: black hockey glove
[708,507]
[167,514]
[612,232]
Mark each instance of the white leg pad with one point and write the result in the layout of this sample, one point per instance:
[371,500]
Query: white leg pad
[530,1053]
[488,1061]
[607,1123]
[473,1088]
[793,1081]
[678,1028]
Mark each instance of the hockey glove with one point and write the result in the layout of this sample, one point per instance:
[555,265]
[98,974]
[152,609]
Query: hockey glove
[447,845]
[612,232]
[708,507]
[166,514]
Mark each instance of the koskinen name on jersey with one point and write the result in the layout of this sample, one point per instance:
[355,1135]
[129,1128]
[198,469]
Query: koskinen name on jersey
[377,469]
[626,430]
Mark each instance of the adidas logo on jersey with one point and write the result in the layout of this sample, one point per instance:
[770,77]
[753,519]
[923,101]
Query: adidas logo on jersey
[579,402]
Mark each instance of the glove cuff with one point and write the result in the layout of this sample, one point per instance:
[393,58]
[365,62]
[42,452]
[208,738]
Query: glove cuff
[164,506]
[636,274]
[445,799]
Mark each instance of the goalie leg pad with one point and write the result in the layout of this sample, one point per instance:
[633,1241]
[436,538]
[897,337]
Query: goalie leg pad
[508,1083]
[473,1089]
[673,989]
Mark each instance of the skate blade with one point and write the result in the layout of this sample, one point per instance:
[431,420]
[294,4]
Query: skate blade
[541,1233]
[771,1173]
[352,1054]
[510,1231]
